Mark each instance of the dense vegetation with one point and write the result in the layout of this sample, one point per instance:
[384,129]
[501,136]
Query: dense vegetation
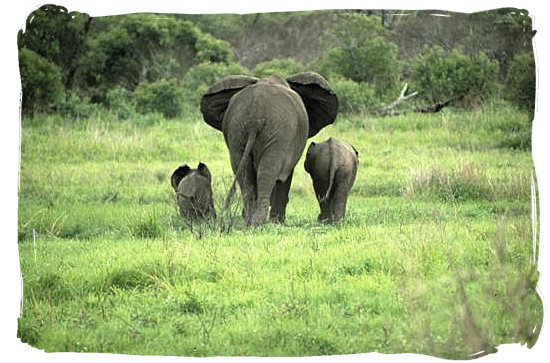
[436,254]
[161,63]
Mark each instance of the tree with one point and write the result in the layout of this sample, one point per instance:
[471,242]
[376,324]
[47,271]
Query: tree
[40,82]
[58,36]
[127,50]
[441,76]
[210,49]
[359,51]
[521,81]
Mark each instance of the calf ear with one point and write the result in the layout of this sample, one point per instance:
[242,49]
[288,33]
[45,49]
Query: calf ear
[319,99]
[203,170]
[354,149]
[178,175]
[307,161]
[216,99]
[311,145]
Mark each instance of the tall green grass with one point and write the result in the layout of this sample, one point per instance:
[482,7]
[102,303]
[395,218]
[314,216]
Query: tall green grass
[435,255]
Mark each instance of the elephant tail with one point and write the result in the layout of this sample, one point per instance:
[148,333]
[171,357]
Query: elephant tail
[332,171]
[246,153]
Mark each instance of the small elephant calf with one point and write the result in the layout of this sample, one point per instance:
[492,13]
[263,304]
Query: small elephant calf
[333,166]
[194,191]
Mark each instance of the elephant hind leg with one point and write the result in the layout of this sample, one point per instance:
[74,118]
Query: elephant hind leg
[320,185]
[279,200]
[338,201]
[247,184]
[326,214]
[265,182]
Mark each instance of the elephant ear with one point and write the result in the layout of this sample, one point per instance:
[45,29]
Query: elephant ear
[354,149]
[307,162]
[203,170]
[216,99]
[178,175]
[319,99]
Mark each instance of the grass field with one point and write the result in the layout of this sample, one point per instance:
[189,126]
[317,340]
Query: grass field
[437,254]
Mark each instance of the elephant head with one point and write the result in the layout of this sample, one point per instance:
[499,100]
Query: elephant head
[193,190]
[318,97]
[266,123]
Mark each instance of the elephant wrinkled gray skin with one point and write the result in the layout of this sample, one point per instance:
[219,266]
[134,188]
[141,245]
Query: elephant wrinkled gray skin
[265,124]
[333,166]
[194,191]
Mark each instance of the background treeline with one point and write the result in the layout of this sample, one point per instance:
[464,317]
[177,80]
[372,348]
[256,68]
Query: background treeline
[77,65]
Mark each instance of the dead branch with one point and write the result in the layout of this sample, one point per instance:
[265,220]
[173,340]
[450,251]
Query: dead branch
[385,110]
[432,108]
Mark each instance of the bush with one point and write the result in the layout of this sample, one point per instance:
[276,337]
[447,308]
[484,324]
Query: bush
[41,82]
[354,97]
[360,52]
[200,77]
[74,106]
[210,49]
[282,66]
[119,101]
[440,76]
[521,82]
[162,96]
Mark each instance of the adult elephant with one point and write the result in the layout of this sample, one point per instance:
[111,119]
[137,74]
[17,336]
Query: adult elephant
[265,123]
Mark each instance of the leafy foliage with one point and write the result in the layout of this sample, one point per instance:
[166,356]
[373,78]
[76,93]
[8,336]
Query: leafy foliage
[281,66]
[354,97]
[102,60]
[74,106]
[359,51]
[520,86]
[127,50]
[162,96]
[57,35]
[200,77]
[442,76]
[210,49]
[40,81]
[120,101]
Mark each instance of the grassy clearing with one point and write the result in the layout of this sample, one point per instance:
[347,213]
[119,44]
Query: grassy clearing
[435,256]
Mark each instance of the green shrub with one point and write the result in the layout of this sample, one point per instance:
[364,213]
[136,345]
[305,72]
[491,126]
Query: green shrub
[74,106]
[521,81]
[359,51]
[200,77]
[41,82]
[354,97]
[210,49]
[281,66]
[119,101]
[162,96]
[441,76]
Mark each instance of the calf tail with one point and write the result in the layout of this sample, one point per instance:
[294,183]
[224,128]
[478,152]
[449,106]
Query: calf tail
[332,172]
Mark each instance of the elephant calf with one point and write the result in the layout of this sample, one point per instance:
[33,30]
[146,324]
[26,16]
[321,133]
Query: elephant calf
[332,165]
[194,191]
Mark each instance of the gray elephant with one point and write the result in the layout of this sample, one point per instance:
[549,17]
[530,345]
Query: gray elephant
[333,166]
[265,123]
[194,191]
